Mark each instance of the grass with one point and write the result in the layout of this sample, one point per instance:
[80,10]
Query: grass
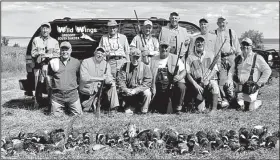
[17,115]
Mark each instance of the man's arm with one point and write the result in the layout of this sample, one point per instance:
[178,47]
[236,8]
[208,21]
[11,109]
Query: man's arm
[147,80]
[84,73]
[56,51]
[35,51]
[264,69]
[126,49]
[236,43]
[121,79]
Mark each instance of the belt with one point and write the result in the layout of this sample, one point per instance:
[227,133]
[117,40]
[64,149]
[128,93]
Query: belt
[115,57]
[62,92]
[226,54]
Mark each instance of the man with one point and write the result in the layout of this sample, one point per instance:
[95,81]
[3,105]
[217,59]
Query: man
[229,51]
[92,73]
[210,38]
[135,81]
[150,45]
[162,67]
[44,48]
[64,82]
[202,80]
[241,71]
[173,30]
[116,47]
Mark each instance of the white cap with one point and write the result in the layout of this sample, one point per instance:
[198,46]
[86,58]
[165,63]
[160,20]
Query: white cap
[148,22]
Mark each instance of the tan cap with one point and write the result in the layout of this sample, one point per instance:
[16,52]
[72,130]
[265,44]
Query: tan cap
[135,52]
[112,23]
[46,24]
[221,18]
[163,43]
[65,44]
[148,22]
[247,40]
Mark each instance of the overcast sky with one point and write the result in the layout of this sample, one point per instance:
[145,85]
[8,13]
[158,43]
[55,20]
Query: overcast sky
[23,18]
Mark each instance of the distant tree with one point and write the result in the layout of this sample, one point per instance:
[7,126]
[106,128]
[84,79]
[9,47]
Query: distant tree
[5,41]
[255,36]
[16,45]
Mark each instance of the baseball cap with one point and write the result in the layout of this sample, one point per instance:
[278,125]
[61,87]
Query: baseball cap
[221,17]
[199,38]
[112,23]
[247,40]
[135,52]
[163,43]
[65,44]
[174,14]
[148,22]
[203,20]
[100,49]
[46,24]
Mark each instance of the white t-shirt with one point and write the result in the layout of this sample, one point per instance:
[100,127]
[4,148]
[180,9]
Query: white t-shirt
[162,63]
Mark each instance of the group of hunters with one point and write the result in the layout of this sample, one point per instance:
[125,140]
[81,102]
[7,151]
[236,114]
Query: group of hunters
[198,73]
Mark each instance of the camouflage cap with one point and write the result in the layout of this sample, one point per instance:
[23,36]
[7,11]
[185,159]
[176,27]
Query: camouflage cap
[135,52]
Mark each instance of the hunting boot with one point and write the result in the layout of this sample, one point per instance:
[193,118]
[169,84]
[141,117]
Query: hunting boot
[214,103]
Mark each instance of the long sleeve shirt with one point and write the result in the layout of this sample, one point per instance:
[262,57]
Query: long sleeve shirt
[168,34]
[131,79]
[116,45]
[224,34]
[41,45]
[91,72]
[262,70]
[152,44]
[209,46]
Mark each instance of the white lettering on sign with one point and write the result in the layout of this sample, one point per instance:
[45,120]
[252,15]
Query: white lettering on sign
[78,29]
[84,29]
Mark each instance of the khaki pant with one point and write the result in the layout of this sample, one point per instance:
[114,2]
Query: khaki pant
[116,65]
[143,100]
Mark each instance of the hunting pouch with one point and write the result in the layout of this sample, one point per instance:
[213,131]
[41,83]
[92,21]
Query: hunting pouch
[250,86]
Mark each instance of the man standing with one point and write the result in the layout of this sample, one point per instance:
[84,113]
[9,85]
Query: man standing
[44,48]
[162,67]
[229,51]
[116,47]
[202,80]
[150,45]
[92,73]
[64,82]
[210,38]
[171,31]
[241,71]
[135,81]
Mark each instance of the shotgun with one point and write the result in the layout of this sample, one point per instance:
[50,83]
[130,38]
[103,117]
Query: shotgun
[139,31]
[99,94]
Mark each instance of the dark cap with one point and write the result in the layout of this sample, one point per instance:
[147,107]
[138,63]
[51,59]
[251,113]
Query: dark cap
[203,20]
[174,14]
[163,43]
[100,49]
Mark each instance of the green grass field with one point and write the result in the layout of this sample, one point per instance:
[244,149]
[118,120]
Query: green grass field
[18,115]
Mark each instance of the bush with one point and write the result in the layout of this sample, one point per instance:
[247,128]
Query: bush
[13,59]
[16,45]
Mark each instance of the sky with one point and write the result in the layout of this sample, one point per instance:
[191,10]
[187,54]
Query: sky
[23,18]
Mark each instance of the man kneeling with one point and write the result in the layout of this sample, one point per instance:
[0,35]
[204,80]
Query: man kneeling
[64,82]
[134,80]
[202,80]
[94,71]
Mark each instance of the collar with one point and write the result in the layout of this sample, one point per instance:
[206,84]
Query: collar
[115,36]
[67,60]
[249,55]
[199,56]
[45,38]
[220,30]
[169,26]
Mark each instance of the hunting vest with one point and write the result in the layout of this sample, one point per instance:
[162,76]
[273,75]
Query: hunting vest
[198,67]
[139,74]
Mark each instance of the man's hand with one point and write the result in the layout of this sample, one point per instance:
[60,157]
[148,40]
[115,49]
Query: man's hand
[187,42]
[205,82]
[45,70]
[177,78]
[133,91]
[199,89]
